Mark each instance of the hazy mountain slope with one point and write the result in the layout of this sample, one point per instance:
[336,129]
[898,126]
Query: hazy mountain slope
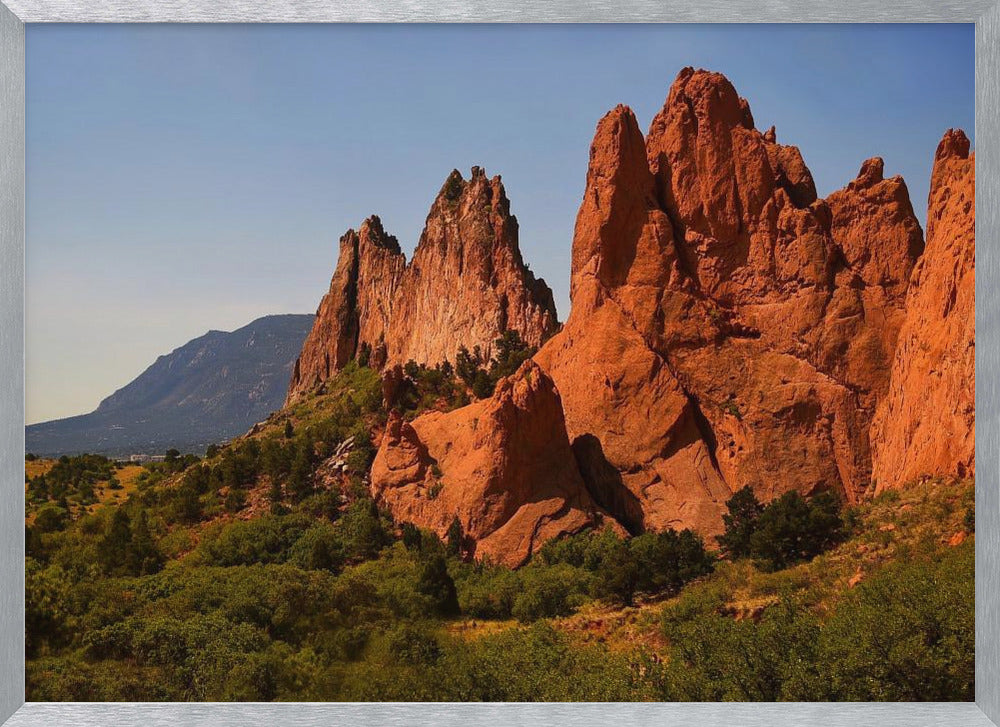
[208,390]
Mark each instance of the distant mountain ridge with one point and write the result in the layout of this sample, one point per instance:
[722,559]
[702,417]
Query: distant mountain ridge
[210,389]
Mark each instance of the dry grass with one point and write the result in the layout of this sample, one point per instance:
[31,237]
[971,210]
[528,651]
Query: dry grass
[127,475]
[893,526]
[38,467]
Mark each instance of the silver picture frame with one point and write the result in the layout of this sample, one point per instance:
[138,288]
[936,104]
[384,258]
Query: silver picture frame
[14,14]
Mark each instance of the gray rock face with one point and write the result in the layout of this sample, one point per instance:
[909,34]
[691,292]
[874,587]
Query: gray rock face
[207,391]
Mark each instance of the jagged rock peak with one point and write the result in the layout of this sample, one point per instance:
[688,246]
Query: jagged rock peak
[954,143]
[925,425]
[372,232]
[465,286]
[871,171]
[720,308]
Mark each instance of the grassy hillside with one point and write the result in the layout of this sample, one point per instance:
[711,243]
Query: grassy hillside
[49,483]
[264,571]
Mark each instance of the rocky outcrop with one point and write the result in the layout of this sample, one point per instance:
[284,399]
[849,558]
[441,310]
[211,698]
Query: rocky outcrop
[503,466]
[926,423]
[467,283]
[728,328]
[368,273]
[465,286]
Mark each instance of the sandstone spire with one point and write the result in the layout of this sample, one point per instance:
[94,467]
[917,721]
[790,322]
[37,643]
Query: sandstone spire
[926,423]
[728,328]
[465,286]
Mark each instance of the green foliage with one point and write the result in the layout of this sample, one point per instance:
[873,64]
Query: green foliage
[142,556]
[267,539]
[51,518]
[740,523]
[716,658]
[304,460]
[300,607]
[488,592]
[482,376]
[906,634]
[791,530]
[788,530]
[548,591]
[111,549]
[363,531]
[424,388]
[318,548]
[454,539]
[48,619]
[412,539]
[668,560]
[235,501]
[71,478]
[128,548]
[652,563]
[437,585]
[415,645]
[511,352]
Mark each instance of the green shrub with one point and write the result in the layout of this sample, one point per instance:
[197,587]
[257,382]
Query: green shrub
[436,583]
[791,530]
[905,634]
[487,592]
[744,510]
[716,658]
[267,539]
[51,518]
[362,531]
[318,548]
[548,591]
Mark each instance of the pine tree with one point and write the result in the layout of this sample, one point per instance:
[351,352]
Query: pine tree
[436,583]
[142,555]
[454,537]
[112,548]
[740,522]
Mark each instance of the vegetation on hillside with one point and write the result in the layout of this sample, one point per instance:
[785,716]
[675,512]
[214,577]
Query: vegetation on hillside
[264,571]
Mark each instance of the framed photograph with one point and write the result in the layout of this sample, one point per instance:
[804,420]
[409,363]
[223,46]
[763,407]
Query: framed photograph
[447,364]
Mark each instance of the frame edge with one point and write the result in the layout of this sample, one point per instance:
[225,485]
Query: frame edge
[987,368]
[12,358]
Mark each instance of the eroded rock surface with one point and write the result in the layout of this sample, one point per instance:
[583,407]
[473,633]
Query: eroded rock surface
[926,424]
[728,327]
[503,466]
[466,285]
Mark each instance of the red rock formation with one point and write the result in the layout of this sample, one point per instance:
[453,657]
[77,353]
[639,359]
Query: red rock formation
[926,423]
[728,328]
[368,272]
[466,285]
[502,465]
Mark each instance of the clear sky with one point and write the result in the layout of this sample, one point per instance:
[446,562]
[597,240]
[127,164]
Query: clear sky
[185,178]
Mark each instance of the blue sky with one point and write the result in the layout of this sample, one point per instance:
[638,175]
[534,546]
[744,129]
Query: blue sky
[184,178]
